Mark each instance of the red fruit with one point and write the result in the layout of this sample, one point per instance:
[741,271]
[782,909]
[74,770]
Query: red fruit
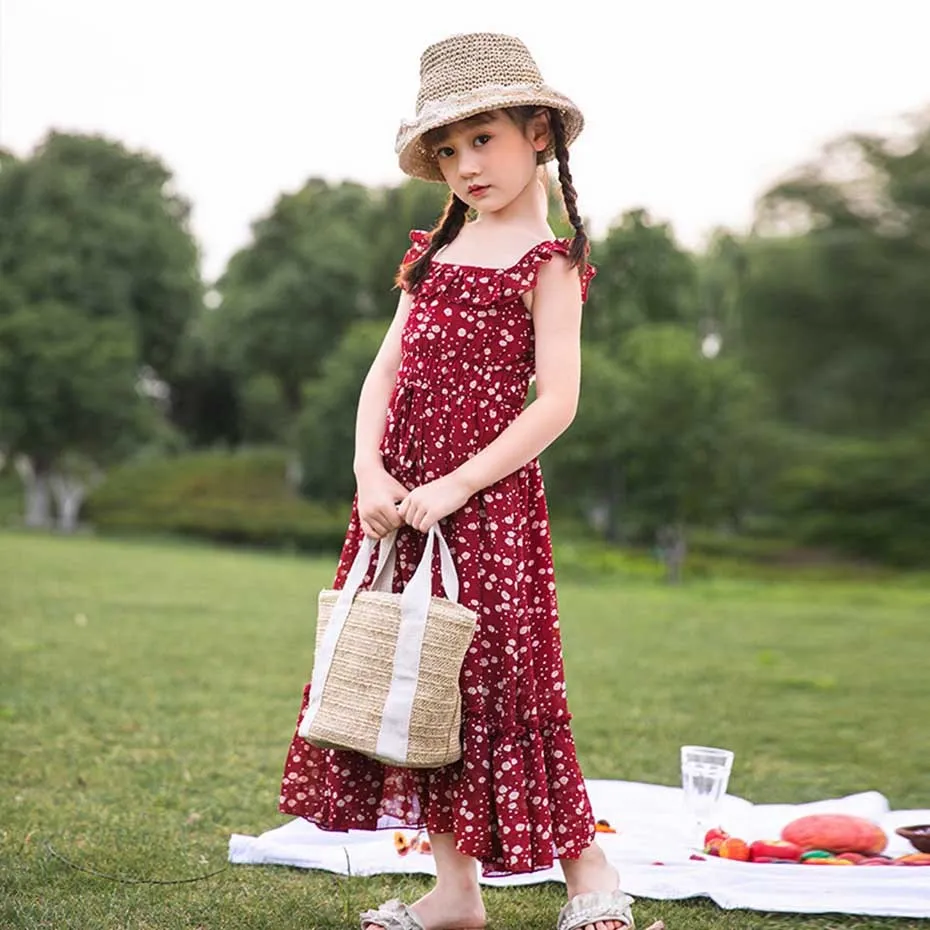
[875,860]
[774,849]
[836,833]
[733,848]
[715,833]
[713,846]
[853,857]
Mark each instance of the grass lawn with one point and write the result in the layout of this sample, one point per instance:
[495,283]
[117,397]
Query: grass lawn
[149,691]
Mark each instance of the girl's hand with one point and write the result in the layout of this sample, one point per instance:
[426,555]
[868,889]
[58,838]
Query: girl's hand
[428,504]
[378,494]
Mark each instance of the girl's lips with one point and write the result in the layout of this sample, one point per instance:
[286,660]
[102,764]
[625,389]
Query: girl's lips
[479,190]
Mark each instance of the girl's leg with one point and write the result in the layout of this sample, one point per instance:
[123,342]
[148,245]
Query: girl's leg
[455,901]
[591,872]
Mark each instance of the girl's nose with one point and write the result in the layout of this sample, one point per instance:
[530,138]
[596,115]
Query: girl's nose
[468,165]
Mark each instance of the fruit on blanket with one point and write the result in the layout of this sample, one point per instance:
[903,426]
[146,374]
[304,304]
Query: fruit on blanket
[401,843]
[712,846]
[602,826]
[836,833]
[815,854]
[715,833]
[913,859]
[875,860]
[853,857]
[774,849]
[826,860]
[734,848]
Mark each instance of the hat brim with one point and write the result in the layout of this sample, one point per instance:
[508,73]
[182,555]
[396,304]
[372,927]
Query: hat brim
[415,160]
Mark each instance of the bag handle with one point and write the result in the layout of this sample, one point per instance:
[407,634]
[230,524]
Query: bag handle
[414,604]
[394,733]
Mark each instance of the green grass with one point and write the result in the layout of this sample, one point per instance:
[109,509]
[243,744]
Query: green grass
[149,691]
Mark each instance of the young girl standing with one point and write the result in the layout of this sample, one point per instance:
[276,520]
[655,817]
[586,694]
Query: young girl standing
[443,435]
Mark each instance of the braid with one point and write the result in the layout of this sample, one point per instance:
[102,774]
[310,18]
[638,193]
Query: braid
[578,252]
[453,219]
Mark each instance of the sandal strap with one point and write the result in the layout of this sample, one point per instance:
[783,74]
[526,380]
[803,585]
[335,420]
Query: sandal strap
[589,908]
[392,915]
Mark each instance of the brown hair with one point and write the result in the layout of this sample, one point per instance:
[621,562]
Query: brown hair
[453,218]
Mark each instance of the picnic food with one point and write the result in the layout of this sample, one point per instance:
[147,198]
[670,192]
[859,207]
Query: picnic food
[836,833]
[734,848]
[774,849]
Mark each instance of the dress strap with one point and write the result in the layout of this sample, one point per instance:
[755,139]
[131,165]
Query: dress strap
[524,274]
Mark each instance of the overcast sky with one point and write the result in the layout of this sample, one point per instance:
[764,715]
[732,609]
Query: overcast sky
[692,108]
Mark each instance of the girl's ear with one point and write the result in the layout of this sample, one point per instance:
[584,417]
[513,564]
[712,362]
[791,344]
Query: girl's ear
[540,130]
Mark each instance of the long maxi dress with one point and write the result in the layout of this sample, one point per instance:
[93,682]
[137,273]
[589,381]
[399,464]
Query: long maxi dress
[516,800]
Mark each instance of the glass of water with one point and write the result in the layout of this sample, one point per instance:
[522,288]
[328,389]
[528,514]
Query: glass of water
[705,773]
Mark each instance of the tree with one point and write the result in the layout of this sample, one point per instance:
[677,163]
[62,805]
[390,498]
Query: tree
[411,205]
[663,437]
[100,279]
[288,297]
[833,314]
[643,277]
[67,390]
[326,428]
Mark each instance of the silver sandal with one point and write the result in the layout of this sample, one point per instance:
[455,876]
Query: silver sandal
[593,906]
[392,915]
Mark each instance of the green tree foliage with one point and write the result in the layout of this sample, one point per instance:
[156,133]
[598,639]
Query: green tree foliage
[663,437]
[834,312]
[289,296]
[91,225]
[644,276]
[326,428]
[100,279]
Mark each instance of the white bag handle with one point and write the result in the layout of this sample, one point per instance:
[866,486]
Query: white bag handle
[414,606]
[414,611]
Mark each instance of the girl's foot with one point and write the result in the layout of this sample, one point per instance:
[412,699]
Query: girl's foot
[592,872]
[448,908]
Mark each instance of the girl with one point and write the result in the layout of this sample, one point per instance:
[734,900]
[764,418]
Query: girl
[442,435]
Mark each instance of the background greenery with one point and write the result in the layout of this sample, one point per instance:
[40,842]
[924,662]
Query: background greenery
[772,386]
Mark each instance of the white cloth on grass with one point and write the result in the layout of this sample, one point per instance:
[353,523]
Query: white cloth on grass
[651,829]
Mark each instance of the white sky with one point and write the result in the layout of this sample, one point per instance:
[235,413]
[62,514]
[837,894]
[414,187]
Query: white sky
[692,108]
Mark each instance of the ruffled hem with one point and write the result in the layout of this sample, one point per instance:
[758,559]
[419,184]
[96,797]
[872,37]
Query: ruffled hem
[480,286]
[485,799]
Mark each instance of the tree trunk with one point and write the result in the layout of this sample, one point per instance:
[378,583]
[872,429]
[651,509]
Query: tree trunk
[672,545]
[69,494]
[614,503]
[35,477]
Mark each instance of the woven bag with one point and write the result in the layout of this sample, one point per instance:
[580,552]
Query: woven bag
[386,668]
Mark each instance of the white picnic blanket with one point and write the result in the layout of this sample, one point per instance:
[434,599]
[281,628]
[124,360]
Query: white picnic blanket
[651,849]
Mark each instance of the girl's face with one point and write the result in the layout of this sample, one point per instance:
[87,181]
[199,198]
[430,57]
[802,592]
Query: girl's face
[488,160]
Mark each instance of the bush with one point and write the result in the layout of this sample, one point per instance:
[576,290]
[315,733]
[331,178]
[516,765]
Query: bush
[870,499]
[239,497]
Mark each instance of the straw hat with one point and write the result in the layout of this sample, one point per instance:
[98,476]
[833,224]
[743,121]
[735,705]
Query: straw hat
[468,74]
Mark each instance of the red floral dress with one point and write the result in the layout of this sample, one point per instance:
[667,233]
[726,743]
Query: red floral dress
[516,799]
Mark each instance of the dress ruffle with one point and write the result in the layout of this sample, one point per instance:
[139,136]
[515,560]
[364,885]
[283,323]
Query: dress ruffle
[488,286]
[530,822]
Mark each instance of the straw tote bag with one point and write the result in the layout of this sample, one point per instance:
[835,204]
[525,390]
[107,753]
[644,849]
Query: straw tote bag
[386,667]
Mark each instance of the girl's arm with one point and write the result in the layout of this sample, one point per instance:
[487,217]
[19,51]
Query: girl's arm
[557,323]
[378,491]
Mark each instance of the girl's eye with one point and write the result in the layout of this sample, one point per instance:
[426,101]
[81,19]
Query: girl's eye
[444,152]
[482,139]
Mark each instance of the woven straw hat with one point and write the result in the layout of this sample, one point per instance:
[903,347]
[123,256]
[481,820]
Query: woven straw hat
[468,74]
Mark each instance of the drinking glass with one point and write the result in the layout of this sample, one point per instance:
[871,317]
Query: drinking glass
[705,773]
